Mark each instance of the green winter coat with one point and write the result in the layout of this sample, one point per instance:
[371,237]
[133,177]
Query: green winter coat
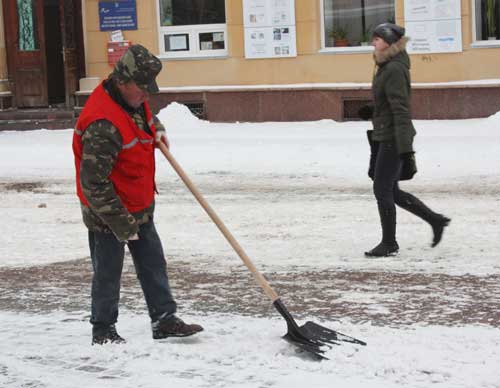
[391,92]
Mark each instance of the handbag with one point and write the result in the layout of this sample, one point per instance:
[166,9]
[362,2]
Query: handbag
[408,166]
[408,161]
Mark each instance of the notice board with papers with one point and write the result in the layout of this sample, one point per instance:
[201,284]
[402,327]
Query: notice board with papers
[434,26]
[269,28]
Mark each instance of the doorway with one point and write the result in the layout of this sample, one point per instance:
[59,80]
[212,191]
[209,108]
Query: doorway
[53,52]
[45,54]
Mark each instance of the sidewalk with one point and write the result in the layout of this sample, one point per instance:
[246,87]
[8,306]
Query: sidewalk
[384,299]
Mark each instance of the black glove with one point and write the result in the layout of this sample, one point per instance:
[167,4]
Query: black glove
[366,112]
[409,166]
[373,153]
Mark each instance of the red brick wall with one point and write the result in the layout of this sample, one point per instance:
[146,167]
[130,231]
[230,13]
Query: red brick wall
[317,104]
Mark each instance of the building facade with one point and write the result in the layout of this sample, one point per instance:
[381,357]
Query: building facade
[253,60]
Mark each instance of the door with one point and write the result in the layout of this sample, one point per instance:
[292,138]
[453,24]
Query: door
[68,10]
[25,43]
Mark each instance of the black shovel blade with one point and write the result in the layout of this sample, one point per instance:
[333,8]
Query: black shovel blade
[311,337]
[323,334]
[298,337]
[313,348]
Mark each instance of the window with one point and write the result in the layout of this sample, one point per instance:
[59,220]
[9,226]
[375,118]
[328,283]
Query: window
[349,23]
[27,26]
[192,28]
[487,19]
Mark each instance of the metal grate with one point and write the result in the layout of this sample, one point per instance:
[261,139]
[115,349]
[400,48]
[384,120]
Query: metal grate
[351,107]
[196,108]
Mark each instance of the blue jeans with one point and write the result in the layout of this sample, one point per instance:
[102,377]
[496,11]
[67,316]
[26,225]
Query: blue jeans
[107,255]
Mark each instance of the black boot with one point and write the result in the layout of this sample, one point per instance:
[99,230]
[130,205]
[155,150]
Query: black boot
[108,335]
[438,229]
[383,250]
[415,206]
[388,246]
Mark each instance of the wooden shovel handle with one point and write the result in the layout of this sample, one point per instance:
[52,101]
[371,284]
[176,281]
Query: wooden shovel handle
[215,218]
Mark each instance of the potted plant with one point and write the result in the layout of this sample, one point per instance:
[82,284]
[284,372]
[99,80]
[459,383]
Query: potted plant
[331,38]
[491,25]
[366,36]
[340,36]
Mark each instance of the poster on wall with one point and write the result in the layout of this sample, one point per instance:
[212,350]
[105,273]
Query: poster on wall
[416,10]
[434,26]
[269,28]
[117,15]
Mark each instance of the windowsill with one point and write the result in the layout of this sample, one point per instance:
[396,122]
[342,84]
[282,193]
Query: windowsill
[191,58]
[347,50]
[485,43]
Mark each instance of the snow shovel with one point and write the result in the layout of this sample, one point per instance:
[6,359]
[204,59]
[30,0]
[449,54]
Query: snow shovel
[310,337]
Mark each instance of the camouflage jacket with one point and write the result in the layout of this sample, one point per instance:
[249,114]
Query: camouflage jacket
[101,144]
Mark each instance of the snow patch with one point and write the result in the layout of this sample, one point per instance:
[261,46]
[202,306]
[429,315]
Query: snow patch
[495,119]
[237,351]
[180,115]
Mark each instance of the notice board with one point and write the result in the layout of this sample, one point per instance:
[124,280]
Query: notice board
[269,28]
[434,26]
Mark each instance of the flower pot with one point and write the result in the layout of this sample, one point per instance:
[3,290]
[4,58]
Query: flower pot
[492,38]
[341,42]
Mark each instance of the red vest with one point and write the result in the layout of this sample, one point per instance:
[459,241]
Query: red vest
[133,173]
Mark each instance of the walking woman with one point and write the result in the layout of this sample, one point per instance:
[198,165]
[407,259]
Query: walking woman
[393,157]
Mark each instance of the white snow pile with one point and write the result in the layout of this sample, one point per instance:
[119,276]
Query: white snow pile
[180,115]
[495,119]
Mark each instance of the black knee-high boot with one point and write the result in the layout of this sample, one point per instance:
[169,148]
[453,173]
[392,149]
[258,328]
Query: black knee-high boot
[415,206]
[388,246]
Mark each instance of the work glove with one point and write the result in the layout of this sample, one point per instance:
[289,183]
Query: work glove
[409,166]
[366,112]
[161,137]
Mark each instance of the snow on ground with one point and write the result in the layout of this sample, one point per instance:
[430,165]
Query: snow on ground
[241,352]
[297,198]
[299,190]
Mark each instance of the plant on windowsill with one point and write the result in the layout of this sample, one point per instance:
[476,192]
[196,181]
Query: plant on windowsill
[331,38]
[365,37]
[167,20]
[340,37]
[491,25]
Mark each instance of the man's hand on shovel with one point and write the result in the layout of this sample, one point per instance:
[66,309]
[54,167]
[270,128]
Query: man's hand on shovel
[161,138]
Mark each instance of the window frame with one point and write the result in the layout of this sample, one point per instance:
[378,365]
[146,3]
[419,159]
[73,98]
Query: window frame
[193,32]
[341,50]
[480,43]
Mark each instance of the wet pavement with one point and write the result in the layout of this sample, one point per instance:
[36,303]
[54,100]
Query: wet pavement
[386,299]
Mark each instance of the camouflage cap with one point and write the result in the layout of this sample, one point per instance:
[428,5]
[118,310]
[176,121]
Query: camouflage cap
[140,66]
